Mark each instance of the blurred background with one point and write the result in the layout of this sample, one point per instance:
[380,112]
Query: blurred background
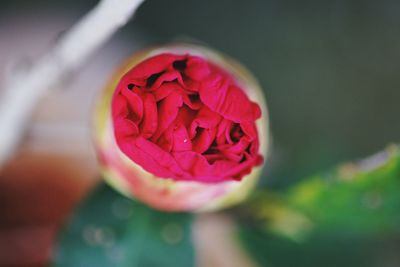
[329,70]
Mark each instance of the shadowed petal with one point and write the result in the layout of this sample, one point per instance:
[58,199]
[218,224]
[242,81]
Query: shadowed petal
[150,66]
[168,110]
[149,123]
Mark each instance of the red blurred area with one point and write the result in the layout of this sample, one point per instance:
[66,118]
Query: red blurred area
[37,192]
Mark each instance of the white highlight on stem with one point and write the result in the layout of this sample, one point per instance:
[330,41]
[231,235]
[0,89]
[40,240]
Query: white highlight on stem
[22,91]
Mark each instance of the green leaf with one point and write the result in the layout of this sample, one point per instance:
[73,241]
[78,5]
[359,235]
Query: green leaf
[320,249]
[361,197]
[345,217]
[111,230]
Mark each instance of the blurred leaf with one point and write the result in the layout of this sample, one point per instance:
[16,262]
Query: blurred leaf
[346,217]
[320,249]
[360,197]
[363,196]
[111,230]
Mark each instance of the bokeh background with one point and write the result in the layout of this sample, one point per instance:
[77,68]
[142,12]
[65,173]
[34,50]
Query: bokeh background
[329,70]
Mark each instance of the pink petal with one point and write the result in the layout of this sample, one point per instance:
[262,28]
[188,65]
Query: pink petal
[151,157]
[149,123]
[181,141]
[168,76]
[150,66]
[192,101]
[249,129]
[168,110]
[186,116]
[236,148]
[203,140]
[191,85]
[165,141]
[239,170]
[119,106]
[197,68]
[164,90]
[193,163]
[166,115]
[205,119]
[228,130]
[211,158]
[228,100]
[135,104]
[199,168]
[223,127]
[125,128]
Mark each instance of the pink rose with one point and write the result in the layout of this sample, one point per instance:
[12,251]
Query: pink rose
[181,117]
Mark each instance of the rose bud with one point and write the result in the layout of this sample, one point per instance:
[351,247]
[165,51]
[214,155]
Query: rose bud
[182,128]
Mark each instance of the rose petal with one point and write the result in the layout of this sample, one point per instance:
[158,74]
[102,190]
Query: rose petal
[223,127]
[181,141]
[149,123]
[228,100]
[197,68]
[249,129]
[126,128]
[205,119]
[151,157]
[228,130]
[165,141]
[240,170]
[164,90]
[192,101]
[195,165]
[191,86]
[186,116]
[204,139]
[237,148]
[120,106]
[150,66]
[135,104]
[167,77]
[211,158]
[168,110]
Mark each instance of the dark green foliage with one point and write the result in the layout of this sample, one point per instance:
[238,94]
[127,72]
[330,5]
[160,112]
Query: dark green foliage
[111,230]
[321,249]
